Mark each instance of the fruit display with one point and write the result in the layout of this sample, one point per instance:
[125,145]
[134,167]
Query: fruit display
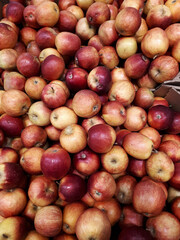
[88,150]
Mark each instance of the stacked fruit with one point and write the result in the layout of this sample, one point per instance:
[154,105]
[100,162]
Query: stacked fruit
[87,151]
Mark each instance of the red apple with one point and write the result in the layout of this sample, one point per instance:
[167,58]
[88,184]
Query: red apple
[126,46]
[8,36]
[45,37]
[175,207]
[42,191]
[174,8]
[175,180]
[160,101]
[171,148]
[13,80]
[101,186]
[174,127]
[146,81]
[14,12]
[108,57]
[83,30]
[97,225]
[72,188]
[76,10]
[160,117]
[153,134]
[120,134]
[87,123]
[134,232]
[173,33]
[29,16]
[27,35]
[8,58]
[95,42]
[101,138]
[2,137]
[64,5]
[144,97]
[34,86]
[30,210]
[67,21]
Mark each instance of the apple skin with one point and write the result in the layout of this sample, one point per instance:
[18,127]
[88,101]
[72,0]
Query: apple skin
[171,148]
[67,21]
[2,137]
[28,65]
[87,123]
[86,161]
[160,117]
[72,188]
[48,221]
[8,37]
[12,175]
[55,163]
[42,191]
[30,211]
[11,126]
[143,203]
[175,180]
[101,138]
[144,97]
[173,33]
[101,186]
[14,12]
[13,80]
[8,59]
[93,224]
[174,127]
[29,16]
[95,42]
[120,134]
[76,79]
[52,67]
[164,226]
[153,134]
[134,232]
[8,154]
[108,57]
[99,80]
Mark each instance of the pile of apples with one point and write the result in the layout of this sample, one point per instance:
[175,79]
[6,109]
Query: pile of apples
[87,151]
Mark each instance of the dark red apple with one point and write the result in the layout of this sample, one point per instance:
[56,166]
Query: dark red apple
[120,134]
[72,188]
[174,127]
[133,233]
[175,180]
[67,21]
[29,16]
[2,137]
[137,167]
[55,163]
[99,80]
[45,37]
[14,12]
[160,117]
[76,79]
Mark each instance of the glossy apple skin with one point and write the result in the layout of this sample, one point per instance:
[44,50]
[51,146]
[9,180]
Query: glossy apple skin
[8,154]
[8,37]
[175,180]
[160,117]
[14,12]
[55,163]
[76,79]
[175,124]
[99,80]
[29,16]
[67,21]
[11,126]
[120,134]
[171,148]
[134,232]
[12,175]
[2,137]
[45,37]
[13,80]
[101,138]
[175,207]
[72,188]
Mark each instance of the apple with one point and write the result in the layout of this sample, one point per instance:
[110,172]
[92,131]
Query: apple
[20,47]
[101,186]
[87,123]
[2,137]
[64,5]
[118,74]
[39,114]
[97,13]
[67,21]
[55,163]
[33,234]
[134,232]
[155,43]
[27,35]
[138,4]
[12,202]
[30,160]
[73,138]
[46,52]
[13,80]
[160,101]
[113,8]
[142,30]
[160,117]
[99,80]
[52,67]
[129,217]
[148,198]
[175,51]
[15,227]
[101,138]
[173,193]
[173,33]
[175,180]
[128,21]
[42,191]
[8,36]
[8,58]
[152,3]
[86,161]
[76,79]
[71,213]
[86,103]
[11,126]
[120,134]
[83,30]
[48,221]
[11,24]
[169,136]
[76,10]
[159,16]
[65,236]
[160,68]
[34,86]
[136,65]
[153,134]
[136,118]
[28,64]
[47,14]
[67,43]
[12,175]
[144,97]
[137,145]
[87,57]
[124,189]
[72,188]
[174,127]
[8,154]
[115,161]
[33,136]
[146,81]
[53,133]
[29,16]
[30,211]
[122,91]
[88,199]
[84,4]
[112,208]
[45,37]
[95,42]
[160,170]
[107,32]
[126,46]
[164,226]
[174,8]
[171,148]
[108,57]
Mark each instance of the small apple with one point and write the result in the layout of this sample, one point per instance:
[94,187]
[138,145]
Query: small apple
[67,21]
